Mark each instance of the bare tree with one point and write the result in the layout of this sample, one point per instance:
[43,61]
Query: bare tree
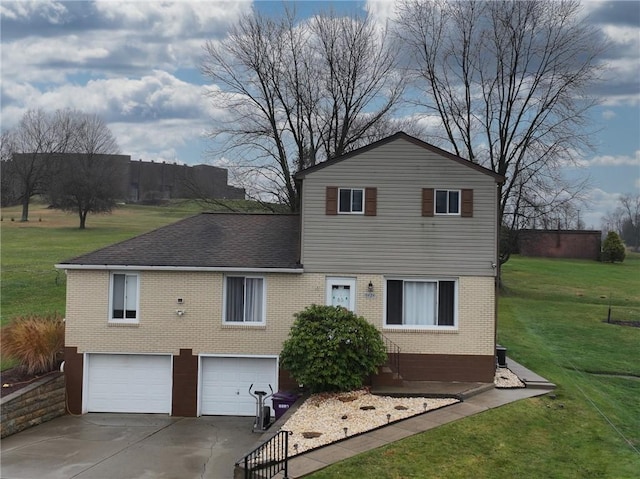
[625,220]
[508,82]
[631,227]
[88,178]
[298,93]
[29,152]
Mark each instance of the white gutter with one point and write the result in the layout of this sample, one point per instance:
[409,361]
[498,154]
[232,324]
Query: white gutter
[176,268]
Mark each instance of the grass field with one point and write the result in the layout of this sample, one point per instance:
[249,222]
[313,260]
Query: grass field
[552,317]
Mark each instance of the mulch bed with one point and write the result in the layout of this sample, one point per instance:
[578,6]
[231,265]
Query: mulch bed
[15,378]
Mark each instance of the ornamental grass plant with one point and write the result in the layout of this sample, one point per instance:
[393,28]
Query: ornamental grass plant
[35,342]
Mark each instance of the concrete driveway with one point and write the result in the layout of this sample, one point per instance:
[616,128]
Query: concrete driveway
[128,446]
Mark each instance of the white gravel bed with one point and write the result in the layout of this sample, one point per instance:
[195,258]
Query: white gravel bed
[505,379]
[329,414]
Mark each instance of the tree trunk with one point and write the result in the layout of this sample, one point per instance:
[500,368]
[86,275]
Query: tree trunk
[25,209]
[83,218]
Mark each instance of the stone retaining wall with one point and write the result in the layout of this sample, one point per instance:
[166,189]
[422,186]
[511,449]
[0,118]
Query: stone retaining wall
[37,403]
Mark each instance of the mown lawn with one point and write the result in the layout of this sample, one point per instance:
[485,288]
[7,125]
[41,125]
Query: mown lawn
[551,320]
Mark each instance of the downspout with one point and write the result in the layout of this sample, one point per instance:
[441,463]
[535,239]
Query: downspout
[497,271]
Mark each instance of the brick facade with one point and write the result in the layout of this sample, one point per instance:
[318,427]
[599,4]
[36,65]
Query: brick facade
[201,329]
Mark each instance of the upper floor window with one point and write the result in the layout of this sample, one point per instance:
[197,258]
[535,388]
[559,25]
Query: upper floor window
[360,201]
[124,297]
[447,202]
[351,200]
[244,299]
[421,303]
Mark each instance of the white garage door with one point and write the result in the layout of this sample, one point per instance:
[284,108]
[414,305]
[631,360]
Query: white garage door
[225,384]
[129,383]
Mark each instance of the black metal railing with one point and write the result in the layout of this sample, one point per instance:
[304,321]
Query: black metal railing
[268,459]
[393,354]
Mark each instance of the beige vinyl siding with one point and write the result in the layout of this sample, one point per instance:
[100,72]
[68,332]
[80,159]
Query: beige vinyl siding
[399,240]
[201,329]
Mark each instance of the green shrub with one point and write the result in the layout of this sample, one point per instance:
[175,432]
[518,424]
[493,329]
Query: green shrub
[331,349]
[613,248]
[36,342]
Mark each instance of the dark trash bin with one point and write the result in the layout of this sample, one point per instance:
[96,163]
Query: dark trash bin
[281,402]
[501,354]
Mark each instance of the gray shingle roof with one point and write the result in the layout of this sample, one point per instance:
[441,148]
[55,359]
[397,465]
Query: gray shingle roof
[210,240]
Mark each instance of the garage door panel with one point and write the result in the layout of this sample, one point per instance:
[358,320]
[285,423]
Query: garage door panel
[225,384]
[129,383]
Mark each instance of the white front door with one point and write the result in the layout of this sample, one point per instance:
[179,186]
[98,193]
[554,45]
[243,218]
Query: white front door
[341,292]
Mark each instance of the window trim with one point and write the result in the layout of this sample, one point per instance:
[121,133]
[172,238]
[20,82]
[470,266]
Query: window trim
[124,320]
[426,327]
[351,212]
[244,322]
[341,281]
[448,191]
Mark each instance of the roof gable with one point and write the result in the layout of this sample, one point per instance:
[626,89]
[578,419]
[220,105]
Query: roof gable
[400,135]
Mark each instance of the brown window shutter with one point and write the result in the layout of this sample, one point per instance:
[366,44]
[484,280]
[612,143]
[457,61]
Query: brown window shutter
[370,201]
[467,204]
[427,201]
[331,207]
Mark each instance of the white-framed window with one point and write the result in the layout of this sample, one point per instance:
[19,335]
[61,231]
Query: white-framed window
[351,201]
[421,303]
[447,202]
[245,300]
[342,292]
[124,297]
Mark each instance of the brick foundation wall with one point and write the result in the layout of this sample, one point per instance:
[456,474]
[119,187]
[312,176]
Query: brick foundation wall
[37,403]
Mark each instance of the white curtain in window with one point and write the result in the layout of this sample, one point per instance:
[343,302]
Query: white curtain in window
[131,294]
[253,299]
[419,303]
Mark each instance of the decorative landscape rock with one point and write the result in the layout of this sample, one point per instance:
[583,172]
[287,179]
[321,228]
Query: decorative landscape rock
[311,435]
[364,411]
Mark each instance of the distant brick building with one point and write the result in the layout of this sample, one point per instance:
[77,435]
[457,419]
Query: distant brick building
[582,244]
[142,181]
[151,181]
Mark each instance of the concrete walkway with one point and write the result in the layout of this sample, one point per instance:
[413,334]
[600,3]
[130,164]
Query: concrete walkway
[475,400]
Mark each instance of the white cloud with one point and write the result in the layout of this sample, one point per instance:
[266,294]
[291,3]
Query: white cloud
[171,19]
[50,10]
[615,160]
[608,114]
[600,203]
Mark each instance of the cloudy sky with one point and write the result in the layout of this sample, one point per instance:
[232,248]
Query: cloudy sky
[137,64]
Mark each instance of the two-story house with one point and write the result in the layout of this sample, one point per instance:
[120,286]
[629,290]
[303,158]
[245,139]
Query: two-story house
[184,319]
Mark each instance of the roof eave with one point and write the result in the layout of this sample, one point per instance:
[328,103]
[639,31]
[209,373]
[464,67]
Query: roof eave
[223,269]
